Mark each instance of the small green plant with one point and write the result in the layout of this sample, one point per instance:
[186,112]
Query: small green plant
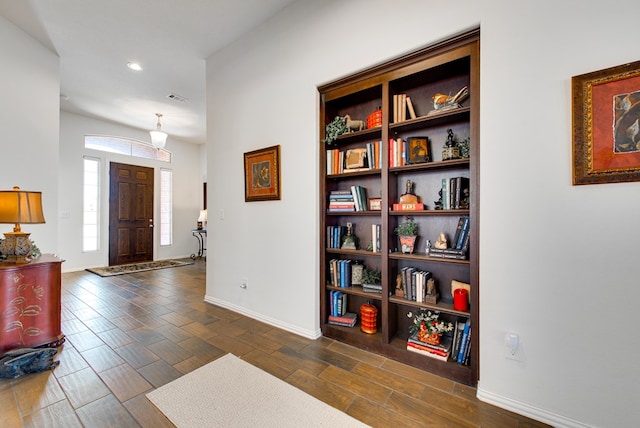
[334,129]
[407,228]
[371,276]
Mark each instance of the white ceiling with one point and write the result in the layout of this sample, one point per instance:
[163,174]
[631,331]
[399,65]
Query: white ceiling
[171,40]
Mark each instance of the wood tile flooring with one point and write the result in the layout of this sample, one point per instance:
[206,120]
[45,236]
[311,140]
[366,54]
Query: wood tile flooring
[129,334]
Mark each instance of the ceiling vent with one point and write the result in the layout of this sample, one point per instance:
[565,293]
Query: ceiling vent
[176,97]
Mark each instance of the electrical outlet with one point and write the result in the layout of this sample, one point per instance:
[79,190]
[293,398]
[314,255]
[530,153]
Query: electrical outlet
[513,347]
[244,283]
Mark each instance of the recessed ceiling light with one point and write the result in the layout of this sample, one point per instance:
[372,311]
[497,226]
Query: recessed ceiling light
[134,66]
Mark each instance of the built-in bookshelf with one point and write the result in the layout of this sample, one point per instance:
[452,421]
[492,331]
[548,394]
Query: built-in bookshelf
[409,144]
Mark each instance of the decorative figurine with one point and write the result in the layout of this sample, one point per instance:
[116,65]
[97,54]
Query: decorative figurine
[408,197]
[399,289]
[354,125]
[437,205]
[427,246]
[431,295]
[349,241]
[441,242]
[450,150]
[446,102]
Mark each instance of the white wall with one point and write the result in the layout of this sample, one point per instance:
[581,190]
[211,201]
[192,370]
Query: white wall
[557,262]
[29,124]
[187,190]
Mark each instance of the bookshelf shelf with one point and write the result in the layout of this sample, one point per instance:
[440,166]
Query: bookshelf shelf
[444,68]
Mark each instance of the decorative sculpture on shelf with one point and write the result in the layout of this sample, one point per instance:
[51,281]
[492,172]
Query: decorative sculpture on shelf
[445,102]
[354,125]
[450,150]
[441,242]
[349,241]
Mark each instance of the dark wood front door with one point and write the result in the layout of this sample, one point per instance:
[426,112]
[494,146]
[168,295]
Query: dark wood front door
[130,214]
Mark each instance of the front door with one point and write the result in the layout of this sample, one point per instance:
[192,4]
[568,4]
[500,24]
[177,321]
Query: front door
[130,214]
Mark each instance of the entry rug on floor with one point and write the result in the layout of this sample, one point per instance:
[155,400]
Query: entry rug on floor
[230,392]
[137,267]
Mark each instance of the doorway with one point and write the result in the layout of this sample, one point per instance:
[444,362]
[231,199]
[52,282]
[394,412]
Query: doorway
[130,214]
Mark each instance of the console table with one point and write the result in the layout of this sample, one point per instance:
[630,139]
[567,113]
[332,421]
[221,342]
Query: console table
[201,236]
[30,303]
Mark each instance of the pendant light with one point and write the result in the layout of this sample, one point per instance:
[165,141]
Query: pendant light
[158,137]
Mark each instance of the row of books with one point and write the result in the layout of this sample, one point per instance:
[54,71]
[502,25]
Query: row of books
[455,193]
[461,343]
[334,235]
[414,283]
[340,272]
[354,199]
[353,160]
[439,352]
[338,314]
[337,303]
[403,108]
[459,245]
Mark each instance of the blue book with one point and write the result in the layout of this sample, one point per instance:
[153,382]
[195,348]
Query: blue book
[464,342]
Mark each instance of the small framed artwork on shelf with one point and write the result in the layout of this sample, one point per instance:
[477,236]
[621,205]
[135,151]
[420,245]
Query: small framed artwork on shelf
[262,174]
[418,150]
[606,125]
[375,204]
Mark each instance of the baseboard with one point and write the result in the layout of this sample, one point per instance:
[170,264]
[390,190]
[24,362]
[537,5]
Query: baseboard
[529,411]
[309,334]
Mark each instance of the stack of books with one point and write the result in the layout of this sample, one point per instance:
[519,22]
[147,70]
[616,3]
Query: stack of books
[439,352]
[341,201]
[372,288]
[349,319]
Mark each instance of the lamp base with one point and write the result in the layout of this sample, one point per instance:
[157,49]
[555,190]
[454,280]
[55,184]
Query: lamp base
[17,247]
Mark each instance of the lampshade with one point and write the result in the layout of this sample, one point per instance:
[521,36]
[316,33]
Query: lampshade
[203,216]
[19,206]
[158,137]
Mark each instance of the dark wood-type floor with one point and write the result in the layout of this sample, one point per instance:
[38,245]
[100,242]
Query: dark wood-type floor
[129,334]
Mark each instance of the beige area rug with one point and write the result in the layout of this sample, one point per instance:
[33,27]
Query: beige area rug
[230,392]
[137,267]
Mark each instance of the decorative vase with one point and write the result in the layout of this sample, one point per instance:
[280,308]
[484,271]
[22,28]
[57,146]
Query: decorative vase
[368,318]
[407,243]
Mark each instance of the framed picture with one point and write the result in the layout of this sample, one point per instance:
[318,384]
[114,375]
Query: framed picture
[262,174]
[418,150]
[606,126]
[375,204]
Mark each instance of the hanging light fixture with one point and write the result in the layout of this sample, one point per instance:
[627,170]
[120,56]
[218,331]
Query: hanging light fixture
[158,137]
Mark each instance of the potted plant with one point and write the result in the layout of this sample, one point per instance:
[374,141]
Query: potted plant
[371,280]
[371,276]
[334,129]
[427,326]
[408,233]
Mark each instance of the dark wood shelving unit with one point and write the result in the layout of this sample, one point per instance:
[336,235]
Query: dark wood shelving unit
[441,68]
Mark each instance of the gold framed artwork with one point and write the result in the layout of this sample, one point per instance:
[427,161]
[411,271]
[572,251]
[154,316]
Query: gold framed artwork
[262,174]
[606,125]
[418,150]
[375,204]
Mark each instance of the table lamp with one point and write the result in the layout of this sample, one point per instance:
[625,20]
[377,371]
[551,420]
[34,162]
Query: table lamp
[202,220]
[19,206]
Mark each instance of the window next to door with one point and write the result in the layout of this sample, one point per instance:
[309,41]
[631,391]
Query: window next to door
[166,214]
[91,200]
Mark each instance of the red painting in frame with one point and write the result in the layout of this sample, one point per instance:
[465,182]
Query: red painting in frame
[262,174]
[606,125]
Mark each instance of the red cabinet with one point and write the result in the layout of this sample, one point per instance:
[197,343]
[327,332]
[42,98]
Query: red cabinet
[30,303]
